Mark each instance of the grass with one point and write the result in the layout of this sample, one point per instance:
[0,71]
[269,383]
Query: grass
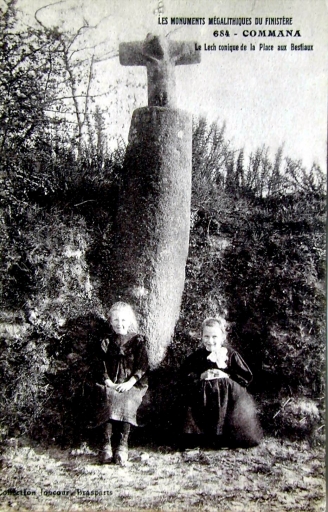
[275,476]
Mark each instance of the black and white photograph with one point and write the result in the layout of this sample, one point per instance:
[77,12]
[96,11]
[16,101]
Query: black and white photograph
[163,255]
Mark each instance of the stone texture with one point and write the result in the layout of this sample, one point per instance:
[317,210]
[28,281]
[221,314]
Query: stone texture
[160,55]
[152,231]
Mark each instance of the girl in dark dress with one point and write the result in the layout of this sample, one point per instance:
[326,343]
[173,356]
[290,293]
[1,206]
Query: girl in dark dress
[215,380]
[121,382]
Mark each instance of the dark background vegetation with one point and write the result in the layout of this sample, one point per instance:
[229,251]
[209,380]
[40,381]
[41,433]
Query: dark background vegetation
[257,253]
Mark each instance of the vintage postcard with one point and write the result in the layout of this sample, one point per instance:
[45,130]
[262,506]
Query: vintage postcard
[163,191]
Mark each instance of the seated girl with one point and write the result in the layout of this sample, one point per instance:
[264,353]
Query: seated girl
[120,383]
[217,403]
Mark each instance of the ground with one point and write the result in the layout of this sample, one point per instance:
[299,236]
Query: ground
[275,476]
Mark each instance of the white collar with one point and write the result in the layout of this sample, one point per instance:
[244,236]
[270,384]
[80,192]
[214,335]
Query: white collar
[219,357]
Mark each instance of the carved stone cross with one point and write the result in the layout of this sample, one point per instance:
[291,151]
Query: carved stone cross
[160,56]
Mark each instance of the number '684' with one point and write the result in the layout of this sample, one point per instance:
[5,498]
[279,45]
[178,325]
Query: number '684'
[221,33]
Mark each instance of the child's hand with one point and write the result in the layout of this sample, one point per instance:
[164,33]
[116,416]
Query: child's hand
[219,374]
[110,384]
[214,374]
[205,375]
[125,386]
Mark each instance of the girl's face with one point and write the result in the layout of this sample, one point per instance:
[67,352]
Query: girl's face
[212,337]
[120,321]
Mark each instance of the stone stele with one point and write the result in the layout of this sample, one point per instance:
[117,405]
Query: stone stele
[151,240]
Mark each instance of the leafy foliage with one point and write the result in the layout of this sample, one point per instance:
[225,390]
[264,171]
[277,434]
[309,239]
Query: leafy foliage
[30,76]
[23,365]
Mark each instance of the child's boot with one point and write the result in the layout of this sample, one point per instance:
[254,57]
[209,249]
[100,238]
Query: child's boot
[122,450]
[106,454]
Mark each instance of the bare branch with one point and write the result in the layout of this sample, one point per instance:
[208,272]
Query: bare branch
[104,58]
[45,7]
[78,33]
[87,96]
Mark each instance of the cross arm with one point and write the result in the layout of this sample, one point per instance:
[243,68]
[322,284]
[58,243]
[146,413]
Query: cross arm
[131,54]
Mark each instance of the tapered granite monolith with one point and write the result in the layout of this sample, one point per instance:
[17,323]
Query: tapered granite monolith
[151,240]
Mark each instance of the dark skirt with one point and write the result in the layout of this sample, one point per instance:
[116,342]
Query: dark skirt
[221,407]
